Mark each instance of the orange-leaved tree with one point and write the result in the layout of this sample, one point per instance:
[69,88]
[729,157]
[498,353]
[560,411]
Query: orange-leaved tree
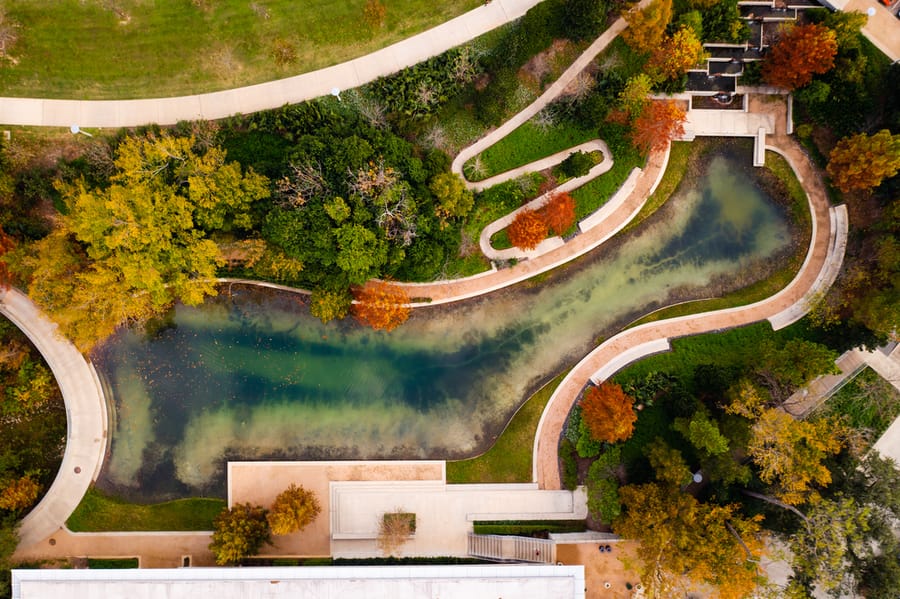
[647,26]
[863,162]
[800,52]
[607,412]
[659,123]
[676,54]
[527,230]
[6,245]
[381,305]
[558,213]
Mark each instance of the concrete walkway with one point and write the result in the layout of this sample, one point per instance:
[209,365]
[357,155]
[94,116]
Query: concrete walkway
[244,100]
[546,98]
[551,243]
[654,337]
[86,433]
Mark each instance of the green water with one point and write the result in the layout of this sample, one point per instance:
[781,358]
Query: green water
[250,374]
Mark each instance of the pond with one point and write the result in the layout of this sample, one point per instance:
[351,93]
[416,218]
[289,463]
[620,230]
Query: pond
[250,374]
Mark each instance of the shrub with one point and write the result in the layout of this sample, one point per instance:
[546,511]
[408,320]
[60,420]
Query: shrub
[527,230]
[584,19]
[569,464]
[293,510]
[576,164]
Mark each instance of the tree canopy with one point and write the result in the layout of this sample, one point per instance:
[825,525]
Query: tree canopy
[861,162]
[800,52]
[239,532]
[607,411]
[293,509]
[129,250]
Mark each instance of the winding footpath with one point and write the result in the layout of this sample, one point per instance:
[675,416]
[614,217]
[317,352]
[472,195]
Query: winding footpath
[824,257]
[86,418]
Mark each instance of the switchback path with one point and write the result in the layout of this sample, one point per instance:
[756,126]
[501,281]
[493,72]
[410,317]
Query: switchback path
[825,254]
[85,415]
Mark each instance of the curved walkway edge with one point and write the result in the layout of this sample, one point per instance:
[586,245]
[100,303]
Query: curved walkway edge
[825,255]
[86,417]
[272,94]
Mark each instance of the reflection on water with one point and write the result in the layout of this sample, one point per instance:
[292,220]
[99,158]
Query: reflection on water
[252,374]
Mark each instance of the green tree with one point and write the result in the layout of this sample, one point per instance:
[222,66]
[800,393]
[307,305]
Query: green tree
[328,305]
[668,464]
[786,369]
[636,94]
[584,19]
[294,509]
[703,433]
[239,532]
[453,199]
[360,254]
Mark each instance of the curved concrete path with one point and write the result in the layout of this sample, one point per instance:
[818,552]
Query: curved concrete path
[825,254]
[272,94]
[484,240]
[85,414]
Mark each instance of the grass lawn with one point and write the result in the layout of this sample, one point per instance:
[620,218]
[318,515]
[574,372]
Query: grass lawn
[676,167]
[100,513]
[868,402]
[593,194]
[509,460]
[526,144]
[135,48]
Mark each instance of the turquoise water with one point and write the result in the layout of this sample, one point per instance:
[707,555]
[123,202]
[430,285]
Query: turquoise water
[250,374]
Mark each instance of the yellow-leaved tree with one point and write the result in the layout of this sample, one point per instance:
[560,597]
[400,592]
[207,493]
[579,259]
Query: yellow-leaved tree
[129,250]
[862,162]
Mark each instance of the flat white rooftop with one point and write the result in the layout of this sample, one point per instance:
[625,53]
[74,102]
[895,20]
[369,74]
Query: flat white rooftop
[330,582]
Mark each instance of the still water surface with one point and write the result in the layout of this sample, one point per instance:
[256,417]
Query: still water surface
[250,374]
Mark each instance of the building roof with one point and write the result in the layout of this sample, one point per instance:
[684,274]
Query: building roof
[329,582]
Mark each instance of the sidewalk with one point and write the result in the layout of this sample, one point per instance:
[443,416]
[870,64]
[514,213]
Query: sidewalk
[272,94]
[85,410]
[652,337]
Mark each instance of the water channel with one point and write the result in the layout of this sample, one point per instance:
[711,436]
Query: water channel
[250,374]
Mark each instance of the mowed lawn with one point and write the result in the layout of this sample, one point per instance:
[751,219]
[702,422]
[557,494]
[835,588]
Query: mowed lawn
[106,49]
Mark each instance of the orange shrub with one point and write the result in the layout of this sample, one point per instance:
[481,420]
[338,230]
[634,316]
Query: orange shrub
[558,213]
[607,412]
[381,305]
[527,230]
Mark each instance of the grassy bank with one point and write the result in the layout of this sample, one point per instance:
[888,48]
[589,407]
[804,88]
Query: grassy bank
[98,512]
[528,143]
[509,459]
[134,48]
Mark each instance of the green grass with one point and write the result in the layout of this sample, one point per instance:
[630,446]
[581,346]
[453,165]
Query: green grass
[174,47]
[593,194]
[526,144]
[727,348]
[500,240]
[675,169]
[98,512]
[868,402]
[112,564]
[509,459]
